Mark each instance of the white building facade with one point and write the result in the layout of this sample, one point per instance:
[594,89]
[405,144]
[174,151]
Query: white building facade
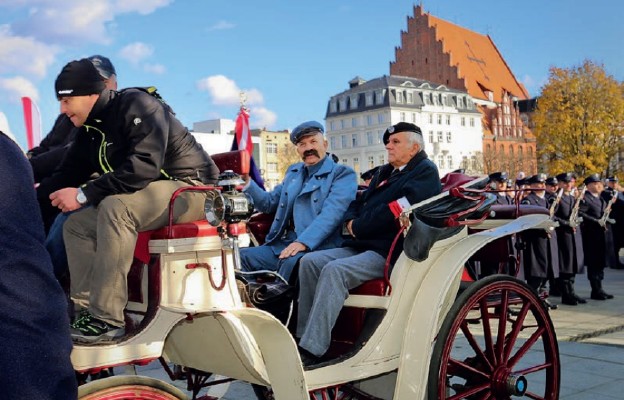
[357,118]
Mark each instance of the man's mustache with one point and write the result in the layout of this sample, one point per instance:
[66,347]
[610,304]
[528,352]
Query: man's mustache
[311,152]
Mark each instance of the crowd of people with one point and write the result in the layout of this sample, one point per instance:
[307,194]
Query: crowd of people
[588,236]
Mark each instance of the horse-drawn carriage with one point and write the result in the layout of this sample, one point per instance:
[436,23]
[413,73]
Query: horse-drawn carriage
[418,333]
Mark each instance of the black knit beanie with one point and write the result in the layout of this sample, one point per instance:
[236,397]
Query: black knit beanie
[79,78]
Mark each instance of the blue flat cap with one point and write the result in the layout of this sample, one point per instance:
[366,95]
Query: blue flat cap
[305,129]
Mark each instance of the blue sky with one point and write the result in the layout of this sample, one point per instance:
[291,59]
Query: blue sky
[289,56]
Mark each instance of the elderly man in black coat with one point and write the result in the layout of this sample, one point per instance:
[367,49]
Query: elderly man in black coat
[371,225]
[35,329]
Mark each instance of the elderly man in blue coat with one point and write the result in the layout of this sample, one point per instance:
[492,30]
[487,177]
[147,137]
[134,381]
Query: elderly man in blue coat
[309,205]
[371,225]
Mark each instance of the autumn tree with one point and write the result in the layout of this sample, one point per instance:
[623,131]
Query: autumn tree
[579,120]
[287,156]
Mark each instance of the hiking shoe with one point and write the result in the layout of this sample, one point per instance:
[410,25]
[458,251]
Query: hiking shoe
[91,329]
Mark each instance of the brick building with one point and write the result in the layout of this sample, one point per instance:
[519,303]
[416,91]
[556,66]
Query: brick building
[444,53]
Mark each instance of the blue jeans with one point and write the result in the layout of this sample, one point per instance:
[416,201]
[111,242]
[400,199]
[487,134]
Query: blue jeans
[325,278]
[56,246]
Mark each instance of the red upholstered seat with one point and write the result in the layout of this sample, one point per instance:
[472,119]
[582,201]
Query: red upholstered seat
[454,179]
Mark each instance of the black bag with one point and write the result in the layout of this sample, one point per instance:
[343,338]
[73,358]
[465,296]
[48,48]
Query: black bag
[268,291]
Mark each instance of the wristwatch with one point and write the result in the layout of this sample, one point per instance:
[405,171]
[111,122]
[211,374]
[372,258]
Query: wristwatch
[81,198]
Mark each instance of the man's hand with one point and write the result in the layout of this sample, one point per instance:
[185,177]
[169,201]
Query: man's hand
[292,249]
[65,199]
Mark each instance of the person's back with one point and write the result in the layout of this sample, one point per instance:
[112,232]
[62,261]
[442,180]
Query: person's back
[34,331]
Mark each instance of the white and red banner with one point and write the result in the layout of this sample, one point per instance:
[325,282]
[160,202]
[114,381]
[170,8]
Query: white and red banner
[32,119]
[243,135]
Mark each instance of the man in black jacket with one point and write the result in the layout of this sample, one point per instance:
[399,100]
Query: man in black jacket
[371,224]
[46,157]
[143,154]
[35,339]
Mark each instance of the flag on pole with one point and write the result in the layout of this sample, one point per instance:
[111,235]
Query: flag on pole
[242,141]
[32,119]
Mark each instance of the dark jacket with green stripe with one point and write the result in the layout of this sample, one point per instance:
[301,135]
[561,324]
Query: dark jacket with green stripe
[131,139]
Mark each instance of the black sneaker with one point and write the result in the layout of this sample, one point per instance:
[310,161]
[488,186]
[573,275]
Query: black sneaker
[91,329]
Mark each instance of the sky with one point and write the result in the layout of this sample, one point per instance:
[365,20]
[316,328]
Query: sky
[288,56]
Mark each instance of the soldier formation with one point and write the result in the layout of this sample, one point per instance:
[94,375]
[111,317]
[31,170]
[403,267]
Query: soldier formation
[588,237]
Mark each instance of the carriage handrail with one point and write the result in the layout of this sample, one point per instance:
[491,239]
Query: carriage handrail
[175,195]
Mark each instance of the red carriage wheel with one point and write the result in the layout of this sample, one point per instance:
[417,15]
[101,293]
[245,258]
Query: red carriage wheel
[128,387]
[497,341]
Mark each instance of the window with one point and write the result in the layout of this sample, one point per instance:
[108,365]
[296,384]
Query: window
[449,137]
[530,150]
[371,162]
[342,124]
[427,99]
[448,119]
[343,141]
[345,161]
[343,104]
[379,97]
[472,122]
[370,140]
[431,118]
[271,148]
[354,122]
[511,151]
[413,118]
[332,126]
[356,164]
[382,159]
[520,151]
[379,137]
[402,117]
[410,97]
[440,137]
[449,161]
[430,136]
[332,143]
[439,119]
[369,120]
[399,97]
[354,140]
[353,100]
[380,118]
[463,121]
[441,162]
[369,99]
[333,106]
[272,167]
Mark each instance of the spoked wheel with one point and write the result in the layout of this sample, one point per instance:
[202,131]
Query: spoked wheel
[497,341]
[130,387]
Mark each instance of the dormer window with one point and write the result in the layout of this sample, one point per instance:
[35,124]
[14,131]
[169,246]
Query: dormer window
[354,101]
[333,106]
[343,104]
[379,97]
[410,98]
[369,99]
[399,97]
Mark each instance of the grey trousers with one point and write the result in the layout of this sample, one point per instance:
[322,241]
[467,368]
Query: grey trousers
[325,278]
[100,243]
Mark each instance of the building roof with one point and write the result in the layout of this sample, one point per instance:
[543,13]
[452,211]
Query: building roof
[478,60]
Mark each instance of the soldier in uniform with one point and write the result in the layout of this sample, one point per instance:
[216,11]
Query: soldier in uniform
[540,256]
[551,186]
[594,235]
[498,184]
[615,233]
[570,243]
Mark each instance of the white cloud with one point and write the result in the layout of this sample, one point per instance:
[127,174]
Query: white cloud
[142,7]
[225,92]
[157,69]
[24,55]
[4,126]
[136,52]
[260,117]
[15,88]
[221,25]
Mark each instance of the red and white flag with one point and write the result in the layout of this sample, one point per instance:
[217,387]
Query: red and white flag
[243,135]
[32,119]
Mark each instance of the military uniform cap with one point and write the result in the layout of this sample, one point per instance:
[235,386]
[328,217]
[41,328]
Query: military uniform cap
[551,181]
[306,129]
[400,127]
[537,178]
[499,176]
[613,179]
[592,179]
[565,177]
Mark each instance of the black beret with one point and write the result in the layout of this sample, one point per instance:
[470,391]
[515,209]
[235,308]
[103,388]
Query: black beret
[565,177]
[79,78]
[305,129]
[592,179]
[369,174]
[538,178]
[499,176]
[400,127]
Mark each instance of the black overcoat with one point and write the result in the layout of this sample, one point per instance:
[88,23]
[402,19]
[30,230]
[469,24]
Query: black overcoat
[594,236]
[569,240]
[540,256]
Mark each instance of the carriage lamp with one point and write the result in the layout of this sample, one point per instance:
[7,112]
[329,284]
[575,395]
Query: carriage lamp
[230,205]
